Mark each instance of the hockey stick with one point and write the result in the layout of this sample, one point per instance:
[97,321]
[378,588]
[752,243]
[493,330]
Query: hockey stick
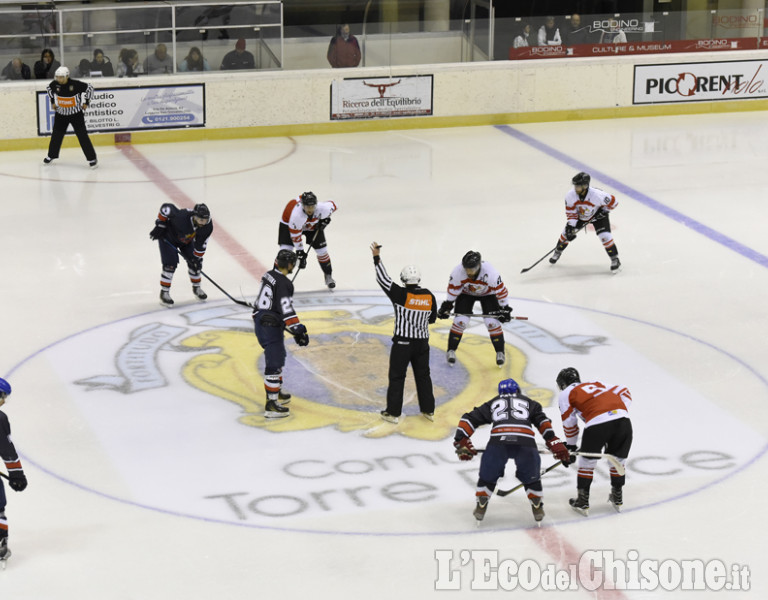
[486,316]
[309,245]
[517,487]
[4,476]
[609,457]
[216,285]
[555,248]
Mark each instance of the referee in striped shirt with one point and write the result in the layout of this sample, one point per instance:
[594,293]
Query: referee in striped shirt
[69,98]
[415,309]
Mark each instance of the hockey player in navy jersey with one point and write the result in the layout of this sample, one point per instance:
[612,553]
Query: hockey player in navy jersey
[186,232]
[273,313]
[512,417]
[16,478]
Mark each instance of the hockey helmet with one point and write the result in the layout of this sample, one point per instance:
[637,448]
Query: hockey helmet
[507,387]
[285,258]
[201,212]
[5,389]
[471,260]
[582,179]
[410,275]
[62,72]
[308,199]
[567,376]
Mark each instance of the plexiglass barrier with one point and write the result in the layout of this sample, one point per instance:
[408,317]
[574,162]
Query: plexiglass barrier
[132,40]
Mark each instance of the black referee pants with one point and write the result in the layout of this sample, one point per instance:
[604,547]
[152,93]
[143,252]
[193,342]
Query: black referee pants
[60,124]
[415,352]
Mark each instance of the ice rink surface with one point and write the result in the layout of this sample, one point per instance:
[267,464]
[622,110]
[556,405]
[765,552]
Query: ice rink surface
[153,475]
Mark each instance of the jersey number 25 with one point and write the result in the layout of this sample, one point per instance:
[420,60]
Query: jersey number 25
[505,409]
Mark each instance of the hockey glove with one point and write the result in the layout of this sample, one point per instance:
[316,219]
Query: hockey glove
[195,263]
[325,222]
[300,335]
[505,314]
[445,310]
[602,213]
[464,448]
[571,449]
[302,256]
[570,233]
[17,480]
[557,448]
[157,233]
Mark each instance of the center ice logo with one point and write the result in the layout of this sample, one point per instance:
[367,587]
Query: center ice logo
[339,380]
[166,408]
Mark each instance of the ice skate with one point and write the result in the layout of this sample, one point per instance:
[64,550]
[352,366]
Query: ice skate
[538,512]
[480,507]
[429,416]
[283,398]
[451,357]
[615,264]
[273,410]
[616,498]
[329,281]
[580,504]
[93,164]
[555,257]
[389,418]
[199,293]
[48,160]
[165,298]
[500,359]
[5,551]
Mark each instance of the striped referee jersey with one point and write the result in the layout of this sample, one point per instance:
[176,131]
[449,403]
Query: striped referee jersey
[415,307]
[69,98]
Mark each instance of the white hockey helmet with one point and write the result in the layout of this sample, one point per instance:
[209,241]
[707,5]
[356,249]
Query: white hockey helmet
[410,275]
[62,72]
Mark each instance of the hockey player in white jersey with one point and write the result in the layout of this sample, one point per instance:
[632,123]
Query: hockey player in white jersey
[585,204]
[475,279]
[306,217]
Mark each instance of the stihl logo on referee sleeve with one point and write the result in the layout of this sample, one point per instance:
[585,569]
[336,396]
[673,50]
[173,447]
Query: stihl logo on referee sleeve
[418,302]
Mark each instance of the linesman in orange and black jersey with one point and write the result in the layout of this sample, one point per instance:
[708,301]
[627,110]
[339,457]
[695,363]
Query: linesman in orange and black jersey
[415,309]
[69,98]
[186,232]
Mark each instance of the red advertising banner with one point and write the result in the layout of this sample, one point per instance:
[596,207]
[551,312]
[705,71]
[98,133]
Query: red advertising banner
[581,50]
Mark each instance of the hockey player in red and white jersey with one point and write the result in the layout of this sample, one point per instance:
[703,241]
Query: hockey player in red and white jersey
[475,279]
[306,217]
[604,410]
[585,204]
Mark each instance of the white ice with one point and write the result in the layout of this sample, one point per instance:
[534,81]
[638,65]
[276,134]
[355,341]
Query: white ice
[104,516]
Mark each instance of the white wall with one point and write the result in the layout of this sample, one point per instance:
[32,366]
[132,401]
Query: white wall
[286,98]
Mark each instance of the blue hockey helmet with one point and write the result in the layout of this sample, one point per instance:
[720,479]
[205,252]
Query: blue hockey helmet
[5,389]
[507,387]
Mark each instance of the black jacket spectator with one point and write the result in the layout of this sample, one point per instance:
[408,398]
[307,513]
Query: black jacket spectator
[47,65]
